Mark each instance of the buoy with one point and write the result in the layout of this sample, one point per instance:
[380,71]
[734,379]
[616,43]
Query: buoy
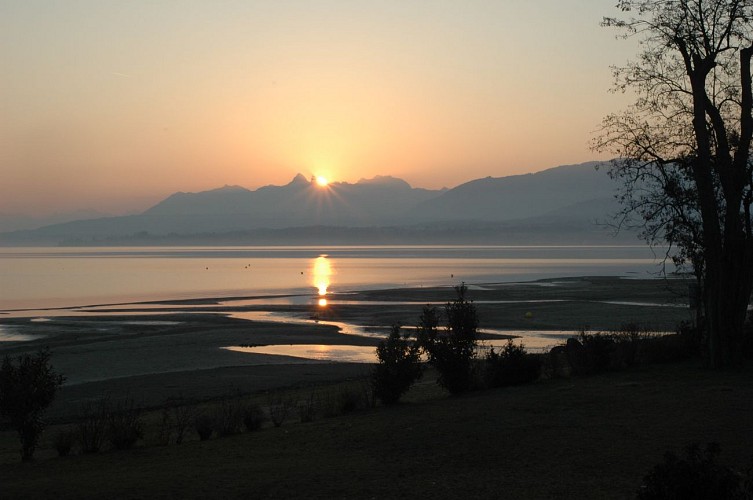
[529,315]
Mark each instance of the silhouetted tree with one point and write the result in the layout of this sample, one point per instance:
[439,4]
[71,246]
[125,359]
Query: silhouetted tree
[398,368]
[684,146]
[27,388]
[452,351]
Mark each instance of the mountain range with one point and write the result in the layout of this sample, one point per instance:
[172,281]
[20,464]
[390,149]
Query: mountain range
[558,205]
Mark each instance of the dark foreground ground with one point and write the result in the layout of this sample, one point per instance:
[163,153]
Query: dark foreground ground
[574,438]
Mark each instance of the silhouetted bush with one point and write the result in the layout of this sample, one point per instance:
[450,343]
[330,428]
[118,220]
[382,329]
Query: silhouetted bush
[27,387]
[93,425]
[279,408]
[182,415]
[204,425]
[399,367]
[63,442]
[630,342]
[696,477]
[253,417]
[590,353]
[350,399]
[228,417]
[511,366]
[307,408]
[452,352]
[124,425]
[164,428]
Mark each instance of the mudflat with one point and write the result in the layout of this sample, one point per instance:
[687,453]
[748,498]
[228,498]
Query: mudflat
[159,350]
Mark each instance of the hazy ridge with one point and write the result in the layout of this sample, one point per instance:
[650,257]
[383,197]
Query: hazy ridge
[563,205]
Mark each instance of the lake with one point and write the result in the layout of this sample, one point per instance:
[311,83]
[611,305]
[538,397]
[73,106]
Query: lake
[38,278]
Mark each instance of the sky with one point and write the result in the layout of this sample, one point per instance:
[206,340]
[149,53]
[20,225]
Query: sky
[112,106]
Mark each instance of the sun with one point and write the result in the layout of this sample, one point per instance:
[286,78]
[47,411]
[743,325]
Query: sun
[321,181]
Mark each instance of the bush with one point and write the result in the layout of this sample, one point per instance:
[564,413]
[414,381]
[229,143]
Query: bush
[93,425]
[182,415]
[307,408]
[228,419]
[63,442]
[253,417]
[204,425]
[27,388]
[399,367]
[453,351]
[164,428]
[279,408]
[696,477]
[511,366]
[124,426]
[590,353]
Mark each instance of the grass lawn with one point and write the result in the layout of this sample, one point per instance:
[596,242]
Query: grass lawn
[576,438]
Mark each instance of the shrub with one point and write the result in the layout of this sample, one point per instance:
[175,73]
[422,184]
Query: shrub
[164,428]
[307,408]
[93,425]
[63,442]
[511,366]
[204,425]
[228,419]
[279,408]
[253,417]
[27,388]
[349,400]
[696,477]
[590,353]
[124,426]
[182,415]
[453,351]
[399,367]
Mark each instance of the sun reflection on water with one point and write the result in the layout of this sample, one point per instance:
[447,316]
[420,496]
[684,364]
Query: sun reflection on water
[322,272]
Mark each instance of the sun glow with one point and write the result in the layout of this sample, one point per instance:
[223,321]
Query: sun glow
[321,181]
[322,271]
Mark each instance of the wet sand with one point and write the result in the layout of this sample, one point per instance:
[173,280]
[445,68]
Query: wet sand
[153,351]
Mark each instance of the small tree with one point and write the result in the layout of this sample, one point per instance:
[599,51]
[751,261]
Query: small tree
[27,388]
[453,351]
[399,367]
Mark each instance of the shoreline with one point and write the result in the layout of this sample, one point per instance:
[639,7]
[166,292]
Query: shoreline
[98,347]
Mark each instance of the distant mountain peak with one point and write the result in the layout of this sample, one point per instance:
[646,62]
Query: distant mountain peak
[299,180]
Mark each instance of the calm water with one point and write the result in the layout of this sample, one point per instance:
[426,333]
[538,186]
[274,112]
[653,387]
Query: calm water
[61,277]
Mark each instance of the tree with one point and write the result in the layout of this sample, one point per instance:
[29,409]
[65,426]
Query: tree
[398,368]
[452,351]
[27,388]
[683,148]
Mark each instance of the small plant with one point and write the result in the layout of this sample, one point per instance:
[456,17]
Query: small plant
[453,351]
[204,425]
[182,415]
[349,399]
[124,426]
[27,388]
[511,366]
[228,418]
[164,428]
[63,442]
[279,408]
[93,425]
[398,368]
[253,417]
[697,476]
[590,353]
[307,408]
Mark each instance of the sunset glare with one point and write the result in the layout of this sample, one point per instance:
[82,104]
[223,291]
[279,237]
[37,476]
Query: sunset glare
[113,106]
[321,181]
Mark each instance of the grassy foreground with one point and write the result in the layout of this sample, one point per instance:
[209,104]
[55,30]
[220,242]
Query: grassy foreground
[578,438]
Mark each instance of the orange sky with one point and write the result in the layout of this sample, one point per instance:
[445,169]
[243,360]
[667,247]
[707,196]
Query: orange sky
[115,105]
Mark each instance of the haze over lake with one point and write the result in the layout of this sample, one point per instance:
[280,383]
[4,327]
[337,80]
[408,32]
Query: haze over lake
[60,277]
